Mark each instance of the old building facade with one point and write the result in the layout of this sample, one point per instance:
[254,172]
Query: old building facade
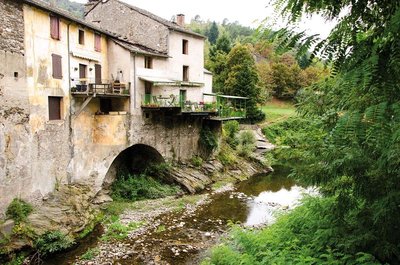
[73,98]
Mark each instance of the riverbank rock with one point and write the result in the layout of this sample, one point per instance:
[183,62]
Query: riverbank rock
[68,209]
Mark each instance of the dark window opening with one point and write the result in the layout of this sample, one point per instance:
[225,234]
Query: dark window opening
[148,62]
[97,42]
[55,27]
[185,76]
[105,105]
[185,46]
[81,37]
[55,108]
[82,70]
[147,87]
[56,66]
[16,74]
[114,105]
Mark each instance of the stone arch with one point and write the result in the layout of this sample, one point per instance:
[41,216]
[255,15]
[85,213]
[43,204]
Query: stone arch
[133,160]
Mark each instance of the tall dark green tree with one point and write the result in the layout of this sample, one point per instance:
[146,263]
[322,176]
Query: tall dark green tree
[242,79]
[358,161]
[213,33]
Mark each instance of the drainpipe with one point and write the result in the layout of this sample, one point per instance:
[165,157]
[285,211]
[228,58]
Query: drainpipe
[134,80]
[71,146]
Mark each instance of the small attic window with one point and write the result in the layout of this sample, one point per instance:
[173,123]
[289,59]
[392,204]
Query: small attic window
[81,37]
[185,46]
[148,62]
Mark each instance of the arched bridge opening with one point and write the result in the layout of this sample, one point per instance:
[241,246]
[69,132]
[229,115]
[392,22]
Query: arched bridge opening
[133,160]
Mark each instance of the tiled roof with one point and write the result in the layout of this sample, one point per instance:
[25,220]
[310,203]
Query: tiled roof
[169,24]
[140,49]
[117,37]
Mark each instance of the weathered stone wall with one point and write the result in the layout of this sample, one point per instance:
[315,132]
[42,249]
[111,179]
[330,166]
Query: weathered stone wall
[14,127]
[138,28]
[99,139]
[11,26]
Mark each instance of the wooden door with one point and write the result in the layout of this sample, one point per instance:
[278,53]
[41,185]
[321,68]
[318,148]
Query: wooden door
[97,73]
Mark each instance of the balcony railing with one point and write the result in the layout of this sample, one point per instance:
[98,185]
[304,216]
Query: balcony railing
[104,87]
[224,106]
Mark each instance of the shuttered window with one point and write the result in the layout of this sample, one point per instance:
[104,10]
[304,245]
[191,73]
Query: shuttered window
[82,70]
[97,42]
[55,108]
[55,27]
[57,66]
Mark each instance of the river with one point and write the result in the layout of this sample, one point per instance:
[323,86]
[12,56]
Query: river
[185,237]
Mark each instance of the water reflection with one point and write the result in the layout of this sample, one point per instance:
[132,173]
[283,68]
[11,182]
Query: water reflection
[263,208]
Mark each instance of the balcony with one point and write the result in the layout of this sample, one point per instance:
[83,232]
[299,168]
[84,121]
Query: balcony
[229,107]
[222,107]
[84,87]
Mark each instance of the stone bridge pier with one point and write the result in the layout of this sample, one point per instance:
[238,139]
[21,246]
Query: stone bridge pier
[104,143]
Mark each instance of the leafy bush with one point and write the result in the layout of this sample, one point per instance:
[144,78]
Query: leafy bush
[158,170]
[139,187]
[208,140]
[197,161]
[118,231]
[53,241]
[304,236]
[254,114]
[231,128]
[90,254]
[247,142]
[226,155]
[18,210]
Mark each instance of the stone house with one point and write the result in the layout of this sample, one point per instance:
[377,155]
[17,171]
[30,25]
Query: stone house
[180,72]
[79,100]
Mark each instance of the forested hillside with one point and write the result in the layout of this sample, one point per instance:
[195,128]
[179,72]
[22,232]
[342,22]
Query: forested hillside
[74,8]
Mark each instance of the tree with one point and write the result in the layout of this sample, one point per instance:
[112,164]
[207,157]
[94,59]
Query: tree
[357,162]
[213,33]
[242,80]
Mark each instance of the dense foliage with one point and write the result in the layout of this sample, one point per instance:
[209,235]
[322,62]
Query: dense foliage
[358,109]
[74,8]
[148,185]
[52,242]
[348,144]
[208,139]
[18,210]
[305,236]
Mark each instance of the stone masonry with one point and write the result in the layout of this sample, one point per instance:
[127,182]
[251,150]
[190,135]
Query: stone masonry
[134,23]
[11,27]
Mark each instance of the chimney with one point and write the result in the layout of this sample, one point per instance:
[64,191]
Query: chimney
[180,20]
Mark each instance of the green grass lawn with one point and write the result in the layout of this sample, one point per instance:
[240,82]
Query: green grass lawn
[276,110]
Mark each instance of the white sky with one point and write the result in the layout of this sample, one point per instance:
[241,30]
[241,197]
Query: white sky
[247,13]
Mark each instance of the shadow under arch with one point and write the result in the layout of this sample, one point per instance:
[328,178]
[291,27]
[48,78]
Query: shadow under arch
[133,160]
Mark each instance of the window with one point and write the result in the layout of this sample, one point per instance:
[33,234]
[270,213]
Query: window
[148,62]
[105,105]
[57,66]
[185,46]
[55,27]
[185,76]
[55,108]
[82,70]
[81,37]
[97,42]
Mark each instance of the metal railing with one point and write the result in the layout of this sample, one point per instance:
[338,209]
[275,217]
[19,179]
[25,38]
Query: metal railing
[159,101]
[97,87]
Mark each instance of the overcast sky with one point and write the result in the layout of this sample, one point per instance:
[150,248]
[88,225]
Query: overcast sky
[249,13]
